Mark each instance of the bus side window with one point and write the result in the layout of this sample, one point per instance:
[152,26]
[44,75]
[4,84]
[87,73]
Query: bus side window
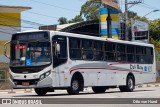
[131,53]
[149,55]
[140,54]
[121,52]
[74,48]
[110,51]
[97,51]
[83,54]
[87,49]
[62,41]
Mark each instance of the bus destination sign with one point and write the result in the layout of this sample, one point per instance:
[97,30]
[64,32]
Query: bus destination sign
[30,36]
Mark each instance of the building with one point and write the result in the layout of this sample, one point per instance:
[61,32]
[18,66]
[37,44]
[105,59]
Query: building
[10,22]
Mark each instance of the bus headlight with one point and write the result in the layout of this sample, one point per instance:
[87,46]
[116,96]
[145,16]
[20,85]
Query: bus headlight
[45,75]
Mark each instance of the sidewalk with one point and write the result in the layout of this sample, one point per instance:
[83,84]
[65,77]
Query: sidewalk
[15,90]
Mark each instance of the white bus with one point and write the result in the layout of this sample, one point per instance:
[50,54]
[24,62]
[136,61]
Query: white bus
[50,60]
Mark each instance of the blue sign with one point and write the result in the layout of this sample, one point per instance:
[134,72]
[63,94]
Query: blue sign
[28,62]
[145,68]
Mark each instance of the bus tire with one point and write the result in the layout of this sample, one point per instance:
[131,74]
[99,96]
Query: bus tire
[99,89]
[75,86]
[41,91]
[130,84]
[122,88]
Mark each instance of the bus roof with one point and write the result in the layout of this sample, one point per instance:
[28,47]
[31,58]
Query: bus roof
[103,39]
[91,37]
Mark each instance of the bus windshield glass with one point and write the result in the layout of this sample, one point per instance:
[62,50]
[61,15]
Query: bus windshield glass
[30,53]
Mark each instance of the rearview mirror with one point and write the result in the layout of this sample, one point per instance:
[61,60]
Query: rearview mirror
[57,50]
[5,49]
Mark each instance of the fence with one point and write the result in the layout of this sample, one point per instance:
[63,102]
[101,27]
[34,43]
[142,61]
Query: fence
[4,83]
[4,75]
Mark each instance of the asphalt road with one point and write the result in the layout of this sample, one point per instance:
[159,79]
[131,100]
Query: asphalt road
[139,92]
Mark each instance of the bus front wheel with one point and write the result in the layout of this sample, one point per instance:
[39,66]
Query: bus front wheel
[40,91]
[130,83]
[75,86]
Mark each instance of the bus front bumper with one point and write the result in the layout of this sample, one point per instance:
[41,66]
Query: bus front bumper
[34,83]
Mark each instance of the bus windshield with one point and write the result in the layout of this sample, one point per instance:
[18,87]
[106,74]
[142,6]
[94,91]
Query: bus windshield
[30,53]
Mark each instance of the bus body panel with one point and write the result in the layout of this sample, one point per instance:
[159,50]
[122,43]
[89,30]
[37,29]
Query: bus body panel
[94,73]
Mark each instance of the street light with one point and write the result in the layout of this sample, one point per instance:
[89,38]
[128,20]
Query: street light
[151,12]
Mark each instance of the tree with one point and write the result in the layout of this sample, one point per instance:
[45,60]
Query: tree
[154,29]
[77,18]
[141,18]
[134,15]
[62,20]
[131,14]
[90,10]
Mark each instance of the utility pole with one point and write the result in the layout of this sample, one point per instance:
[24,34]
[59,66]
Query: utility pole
[100,4]
[126,14]
[126,20]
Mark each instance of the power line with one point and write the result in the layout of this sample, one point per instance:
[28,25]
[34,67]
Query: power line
[15,26]
[38,20]
[146,6]
[4,24]
[4,32]
[41,14]
[54,6]
[150,6]
[9,26]
[25,21]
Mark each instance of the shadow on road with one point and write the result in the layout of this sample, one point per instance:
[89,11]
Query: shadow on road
[51,94]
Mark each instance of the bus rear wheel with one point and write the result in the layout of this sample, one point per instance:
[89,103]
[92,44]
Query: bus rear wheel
[130,83]
[41,91]
[99,89]
[75,86]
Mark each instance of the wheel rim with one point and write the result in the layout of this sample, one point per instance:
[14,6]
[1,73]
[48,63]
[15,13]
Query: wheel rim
[75,85]
[130,83]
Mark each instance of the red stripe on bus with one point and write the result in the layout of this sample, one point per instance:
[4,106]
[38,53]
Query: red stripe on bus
[101,69]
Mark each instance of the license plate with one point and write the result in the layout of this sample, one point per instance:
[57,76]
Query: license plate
[25,83]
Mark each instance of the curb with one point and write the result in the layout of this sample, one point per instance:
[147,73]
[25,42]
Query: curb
[28,91]
[13,90]
[148,85]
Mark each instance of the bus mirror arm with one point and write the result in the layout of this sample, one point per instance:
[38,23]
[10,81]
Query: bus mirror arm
[5,49]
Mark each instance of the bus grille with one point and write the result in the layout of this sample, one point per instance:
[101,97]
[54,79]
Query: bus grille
[26,70]
[31,82]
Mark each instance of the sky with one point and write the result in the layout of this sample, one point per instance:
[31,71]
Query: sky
[47,12]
